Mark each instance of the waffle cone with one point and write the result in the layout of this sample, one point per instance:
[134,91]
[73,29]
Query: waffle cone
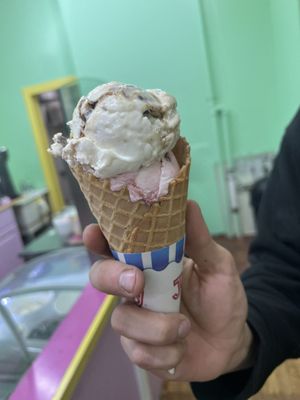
[135,227]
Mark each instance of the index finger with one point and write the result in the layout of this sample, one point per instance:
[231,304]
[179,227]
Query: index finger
[95,241]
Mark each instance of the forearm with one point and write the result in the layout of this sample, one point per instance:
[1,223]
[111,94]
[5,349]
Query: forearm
[234,384]
[244,355]
[272,284]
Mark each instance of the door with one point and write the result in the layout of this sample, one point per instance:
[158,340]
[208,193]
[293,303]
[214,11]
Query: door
[56,108]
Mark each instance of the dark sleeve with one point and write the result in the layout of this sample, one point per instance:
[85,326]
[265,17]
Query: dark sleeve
[272,283]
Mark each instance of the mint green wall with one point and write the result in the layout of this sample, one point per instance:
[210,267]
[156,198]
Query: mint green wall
[254,54]
[132,42]
[33,50]
[162,44]
[153,44]
[286,30]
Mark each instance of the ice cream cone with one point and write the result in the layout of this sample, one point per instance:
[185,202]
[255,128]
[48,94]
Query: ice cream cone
[136,227]
[121,151]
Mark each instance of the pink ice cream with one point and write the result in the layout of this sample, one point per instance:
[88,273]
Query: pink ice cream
[149,183]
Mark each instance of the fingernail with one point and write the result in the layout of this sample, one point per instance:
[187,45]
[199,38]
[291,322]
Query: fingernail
[127,280]
[184,328]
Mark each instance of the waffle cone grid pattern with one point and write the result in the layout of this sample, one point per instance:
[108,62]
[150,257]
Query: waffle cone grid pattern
[135,227]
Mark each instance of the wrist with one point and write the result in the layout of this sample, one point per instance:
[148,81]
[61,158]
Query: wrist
[244,355]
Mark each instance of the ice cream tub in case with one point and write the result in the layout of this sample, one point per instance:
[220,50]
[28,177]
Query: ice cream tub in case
[163,276]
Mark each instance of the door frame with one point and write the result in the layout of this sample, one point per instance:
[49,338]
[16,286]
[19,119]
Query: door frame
[30,94]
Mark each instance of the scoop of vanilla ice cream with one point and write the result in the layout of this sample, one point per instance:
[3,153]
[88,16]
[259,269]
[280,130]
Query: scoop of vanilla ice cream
[119,128]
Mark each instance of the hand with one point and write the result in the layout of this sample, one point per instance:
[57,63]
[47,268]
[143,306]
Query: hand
[209,337]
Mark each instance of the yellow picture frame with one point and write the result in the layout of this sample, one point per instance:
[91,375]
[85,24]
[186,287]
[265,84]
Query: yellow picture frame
[30,94]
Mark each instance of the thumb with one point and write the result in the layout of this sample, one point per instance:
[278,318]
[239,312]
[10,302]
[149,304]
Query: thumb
[200,246]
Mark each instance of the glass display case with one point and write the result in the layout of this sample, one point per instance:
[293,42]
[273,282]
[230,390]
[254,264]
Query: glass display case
[33,301]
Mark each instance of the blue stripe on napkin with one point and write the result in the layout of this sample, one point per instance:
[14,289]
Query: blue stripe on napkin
[160,258]
[134,259]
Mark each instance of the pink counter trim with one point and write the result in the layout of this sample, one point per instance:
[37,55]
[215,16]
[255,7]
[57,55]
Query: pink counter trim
[43,378]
